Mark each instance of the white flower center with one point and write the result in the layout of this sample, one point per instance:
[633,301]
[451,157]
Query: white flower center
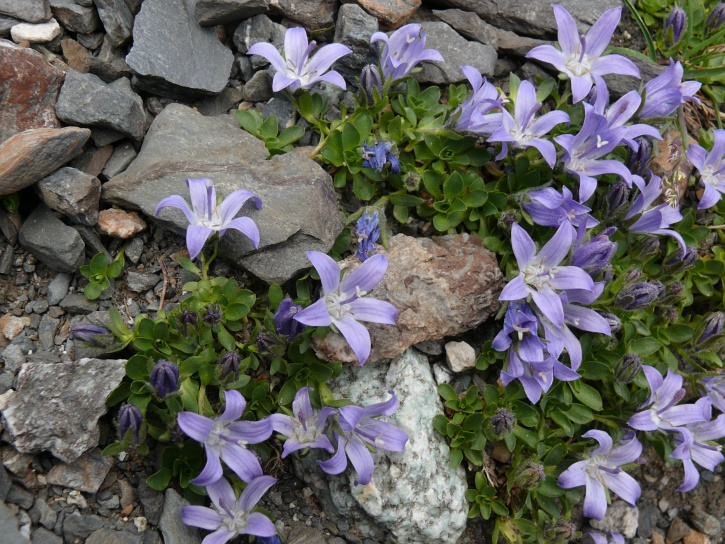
[236,523]
[335,305]
[708,175]
[536,275]
[579,65]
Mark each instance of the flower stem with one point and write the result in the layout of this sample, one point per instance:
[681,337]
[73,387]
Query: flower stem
[202,399]
[316,151]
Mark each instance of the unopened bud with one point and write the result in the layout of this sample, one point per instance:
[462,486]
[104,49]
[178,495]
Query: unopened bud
[165,378]
[594,255]
[632,276]
[675,26]
[716,18]
[713,326]
[613,321]
[529,474]
[229,364]
[502,422]
[627,368]
[560,532]
[507,219]
[284,320]
[637,161]
[638,296]
[411,181]
[616,199]
[677,262]
[369,81]
[646,248]
[90,334]
[213,315]
[673,293]
[187,319]
[130,418]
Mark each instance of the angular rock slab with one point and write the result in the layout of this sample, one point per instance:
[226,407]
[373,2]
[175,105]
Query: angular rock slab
[390,13]
[413,494]
[219,12]
[56,406]
[51,241]
[32,155]
[32,11]
[73,193]
[85,474]
[299,210]
[173,55]
[441,286]
[29,90]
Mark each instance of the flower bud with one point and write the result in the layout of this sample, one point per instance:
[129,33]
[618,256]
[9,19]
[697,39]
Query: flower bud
[229,364]
[165,378]
[284,320]
[370,80]
[716,18]
[507,219]
[676,262]
[713,326]
[632,276]
[637,161]
[411,181]
[594,255]
[187,319]
[560,532]
[613,321]
[213,315]
[268,539]
[673,293]
[675,26]
[638,296]
[90,334]
[670,315]
[265,341]
[130,418]
[646,248]
[616,199]
[529,474]
[627,368]
[502,422]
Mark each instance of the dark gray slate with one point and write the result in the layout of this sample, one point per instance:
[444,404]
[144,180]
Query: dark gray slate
[44,536]
[117,20]
[106,536]
[85,473]
[57,245]
[32,11]
[58,288]
[9,527]
[174,56]
[457,52]
[81,526]
[74,17]
[299,214]
[354,28]
[259,28]
[122,156]
[91,41]
[6,23]
[218,12]
[152,502]
[173,531]
[259,88]
[226,100]
[73,405]
[312,14]
[73,193]
[86,100]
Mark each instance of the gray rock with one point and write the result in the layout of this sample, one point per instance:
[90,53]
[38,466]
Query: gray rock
[43,514]
[46,331]
[457,52]
[619,85]
[402,481]
[300,211]
[152,502]
[74,403]
[6,260]
[109,64]
[74,17]
[45,536]
[259,88]
[5,483]
[354,28]
[704,522]
[106,536]
[122,156]
[57,245]
[301,534]
[77,303]
[219,12]
[22,497]
[81,526]
[117,20]
[220,104]
[259,28]
[93,160]
[32,11]
[197,64]
[620,518]
[140,281]
[173,531]
[134,250]
[91,41]
[152,537]
[9,527]
[460,356]
[58,288]
[85,473]
[6,23]
[312,14]
[283,109]
[649,518]
[104,136]
[72,193]
[86,100]
[28,157]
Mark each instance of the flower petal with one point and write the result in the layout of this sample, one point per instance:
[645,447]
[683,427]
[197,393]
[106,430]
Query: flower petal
[196,237]
[246,226]
[614,64]
[550,305]
[326,56]
[175,201]
[385,436]
[202,517]
[515,290]
[234,405]
[361,459]
[558,246]
[295,47]
[574,476]
[269,52]
[338,462]
[332,77]
[600,34]
[315,315]
[595,501]
[623,485]
[568,34]
[373,310]
[580,87]
[222,494]
[231,205]
[385,408]
[710,197]
[523,246]
[570,277]
[203,196]
[254,492]
[642,421]
[356,335]
[252,432]
[605,441]
[195,426]
[242,461]
[258,525]
[550,55]
[328,270]
[212,471]
[221,536]
[366,276]
[692,476]
[283,424]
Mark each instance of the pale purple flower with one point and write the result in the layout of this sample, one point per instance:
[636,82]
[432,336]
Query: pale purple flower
[360,431]
[667,92]
[297,70]
[705,455]
[521,326]
[284,322]
[524,129]
[550,208]
[602,471]
[344,303]
[305,429]
[540,274]
[712,169]
[609,538]
[581,56]
[380,154]
[475,113]
[536,377]
[207,217]
[403,50]
[224,437]
[584,151]
[230,516]
[715,387]
[368,233]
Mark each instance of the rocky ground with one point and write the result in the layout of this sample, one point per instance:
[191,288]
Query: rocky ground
[86,83]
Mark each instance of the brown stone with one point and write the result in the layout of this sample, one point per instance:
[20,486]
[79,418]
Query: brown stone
[94,160]
[390,13]
[31,155]
[10,327]
[120,224]
[677,531]
[313,14]
[75,55]
[671,164]
[441,286]
[696,538]
[657,538]
[28,92]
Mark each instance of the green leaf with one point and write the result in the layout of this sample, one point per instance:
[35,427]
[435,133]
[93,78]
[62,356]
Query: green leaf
[678,333]
[159,480]
[644,346]
[579,413]
[593,370]
[113,449]
[119,394]
[225,339]
[475,199]
[189,266]
[405,200]
[350,137]
[115,268]
[269,128]
[275,295]
[447,392]
[290,135]
[93,290]
[456,457]
[99,263]
[586,394]
[362,188]
[235,312]
[441,223]
[400,213]
[526,436]
[249,120]
[453,186]
[137,368]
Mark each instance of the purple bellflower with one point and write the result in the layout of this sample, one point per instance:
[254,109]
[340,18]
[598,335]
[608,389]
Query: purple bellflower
[90,334]
[595,254]
[550,208]
[581,56]
[602,471]
[306,429]
[359,432]
[207,217]
[536,377]
[584,152]
[130,418]
[230,516]
[715,387]
[344,304]
[403,50]
[284,321]
[377,156]
[705,455]
[609,538]
[368,233]
[164,378]
[540,274]
[712,169]
[224,437]
[297,70]
[524,129]
[675,26]
[667,92]
[520,325]
[716,19]
[475,113]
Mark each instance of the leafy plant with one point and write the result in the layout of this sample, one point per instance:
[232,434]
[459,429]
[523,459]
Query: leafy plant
[99,273]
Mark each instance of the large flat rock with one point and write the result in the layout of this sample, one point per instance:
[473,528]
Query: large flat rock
[299,211]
